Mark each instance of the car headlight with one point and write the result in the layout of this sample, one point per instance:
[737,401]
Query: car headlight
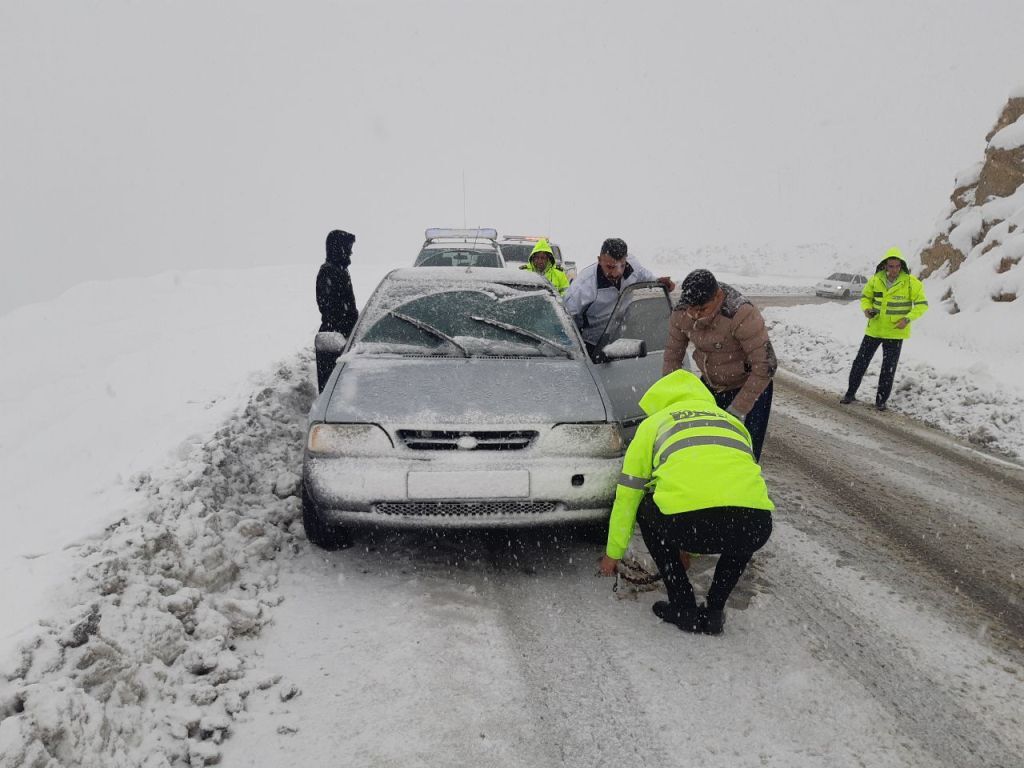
[597,440]
[347,440]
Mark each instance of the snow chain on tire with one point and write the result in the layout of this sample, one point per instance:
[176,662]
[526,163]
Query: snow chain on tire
[634,574]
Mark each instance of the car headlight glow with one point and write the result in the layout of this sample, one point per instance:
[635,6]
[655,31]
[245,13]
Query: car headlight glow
[595,440]
[347,440]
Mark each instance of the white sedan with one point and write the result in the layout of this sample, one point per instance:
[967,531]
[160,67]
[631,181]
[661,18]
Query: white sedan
[465,398]
[841,285]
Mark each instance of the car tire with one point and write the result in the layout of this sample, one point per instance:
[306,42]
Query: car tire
[846,294]
[592,533]
[329,536]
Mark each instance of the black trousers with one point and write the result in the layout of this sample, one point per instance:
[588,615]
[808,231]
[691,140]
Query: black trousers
[890,359]
[324,368]
[756,421]
[734,532]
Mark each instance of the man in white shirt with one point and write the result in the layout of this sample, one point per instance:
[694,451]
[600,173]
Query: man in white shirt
[593,294]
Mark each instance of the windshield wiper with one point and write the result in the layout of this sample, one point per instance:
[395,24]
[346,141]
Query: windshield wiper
[522,332]
[427,328]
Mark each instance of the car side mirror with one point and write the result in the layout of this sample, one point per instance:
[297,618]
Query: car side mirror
[329,343]
[621,349]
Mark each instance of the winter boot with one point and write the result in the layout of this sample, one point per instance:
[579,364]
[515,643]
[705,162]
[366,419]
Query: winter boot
[881,406]
[847,399]
[687,619]
[713,621]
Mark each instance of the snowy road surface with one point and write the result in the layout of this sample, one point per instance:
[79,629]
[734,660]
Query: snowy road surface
[880,626]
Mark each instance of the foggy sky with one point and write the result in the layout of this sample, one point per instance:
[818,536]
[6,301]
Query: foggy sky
[138,137]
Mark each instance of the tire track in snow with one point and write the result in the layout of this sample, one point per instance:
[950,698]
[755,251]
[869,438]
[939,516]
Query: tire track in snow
[884,526]
[923,705]
[904,517]
[583,697]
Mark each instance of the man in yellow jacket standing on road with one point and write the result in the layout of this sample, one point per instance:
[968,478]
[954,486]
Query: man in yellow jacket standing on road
[542,261]
[891,300]
[689,478]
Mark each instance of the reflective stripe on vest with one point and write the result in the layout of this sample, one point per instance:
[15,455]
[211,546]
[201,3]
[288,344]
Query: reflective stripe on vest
[690,442]
[684,425]
[632,481]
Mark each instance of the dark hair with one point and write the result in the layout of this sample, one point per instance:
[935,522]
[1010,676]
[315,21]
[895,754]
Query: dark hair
[698,287]
[614,247]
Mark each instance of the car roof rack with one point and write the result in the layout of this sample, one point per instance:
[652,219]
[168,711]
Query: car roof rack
[437,233]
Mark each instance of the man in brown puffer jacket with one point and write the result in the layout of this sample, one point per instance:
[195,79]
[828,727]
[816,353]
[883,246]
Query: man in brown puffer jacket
[730,347]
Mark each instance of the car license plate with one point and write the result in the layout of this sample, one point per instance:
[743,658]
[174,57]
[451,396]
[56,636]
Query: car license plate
[469,484]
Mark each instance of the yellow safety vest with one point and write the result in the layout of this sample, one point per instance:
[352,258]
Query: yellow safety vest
[690,453]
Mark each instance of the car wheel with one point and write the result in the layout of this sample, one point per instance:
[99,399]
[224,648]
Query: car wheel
[846,294]
[320,533]
[592,533]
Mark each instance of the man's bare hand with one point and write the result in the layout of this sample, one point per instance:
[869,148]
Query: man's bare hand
[608,565]
[902,323]
[667,282]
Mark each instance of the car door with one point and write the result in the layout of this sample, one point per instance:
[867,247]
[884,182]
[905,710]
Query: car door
[642,312]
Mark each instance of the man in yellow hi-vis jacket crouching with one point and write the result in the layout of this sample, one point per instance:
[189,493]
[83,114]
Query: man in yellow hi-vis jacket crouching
[689,478]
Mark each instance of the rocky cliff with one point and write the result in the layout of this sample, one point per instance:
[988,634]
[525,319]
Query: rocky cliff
[977,249]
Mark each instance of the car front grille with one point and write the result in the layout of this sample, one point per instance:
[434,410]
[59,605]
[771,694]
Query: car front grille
[463,508]
[443,440]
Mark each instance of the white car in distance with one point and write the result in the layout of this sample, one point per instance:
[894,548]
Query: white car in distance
[841,285]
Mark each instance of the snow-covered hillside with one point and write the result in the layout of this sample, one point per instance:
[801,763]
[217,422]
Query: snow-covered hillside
[975,254]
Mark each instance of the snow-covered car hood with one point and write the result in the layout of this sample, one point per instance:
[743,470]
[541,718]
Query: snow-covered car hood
[464,391]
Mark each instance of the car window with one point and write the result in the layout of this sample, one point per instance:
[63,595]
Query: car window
[518,253]
[841,277]
[502,322]
[642,313]
[457,258]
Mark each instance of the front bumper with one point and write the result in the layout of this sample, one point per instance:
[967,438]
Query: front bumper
[379,491]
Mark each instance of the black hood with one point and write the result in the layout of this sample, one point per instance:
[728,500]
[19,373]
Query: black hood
[339,248]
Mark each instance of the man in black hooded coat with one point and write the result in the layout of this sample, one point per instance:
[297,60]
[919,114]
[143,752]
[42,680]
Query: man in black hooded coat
[334,297]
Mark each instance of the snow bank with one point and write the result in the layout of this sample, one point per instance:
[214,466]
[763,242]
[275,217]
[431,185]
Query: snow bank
[955,372]
[142,669]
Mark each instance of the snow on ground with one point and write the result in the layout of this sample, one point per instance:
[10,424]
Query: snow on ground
[115,378]
[149,449]
[956,372]
[141,668]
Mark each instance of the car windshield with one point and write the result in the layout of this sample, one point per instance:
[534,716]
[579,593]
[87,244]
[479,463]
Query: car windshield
[457,257]
[518,253]
[842,277]
[457,321]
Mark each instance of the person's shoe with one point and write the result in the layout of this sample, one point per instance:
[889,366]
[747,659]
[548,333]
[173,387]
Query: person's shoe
[687,619]
[847,399]
[881,407]
[714,622]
